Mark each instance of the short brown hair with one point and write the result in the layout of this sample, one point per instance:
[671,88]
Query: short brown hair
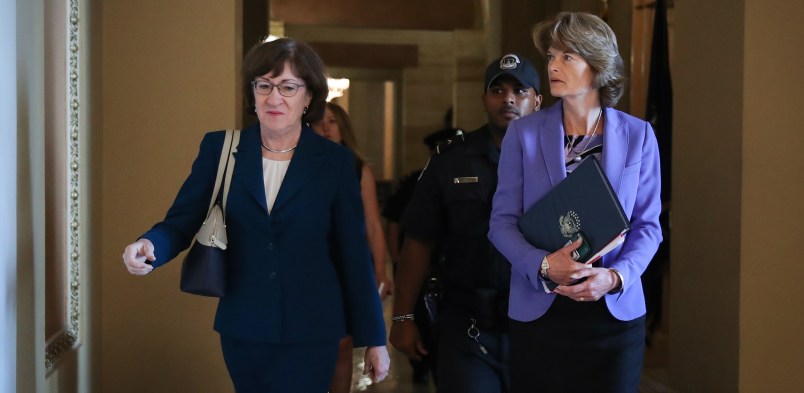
[591,38]
[269,57]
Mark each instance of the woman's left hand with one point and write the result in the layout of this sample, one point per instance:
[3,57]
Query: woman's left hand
[376,363]
[598,283]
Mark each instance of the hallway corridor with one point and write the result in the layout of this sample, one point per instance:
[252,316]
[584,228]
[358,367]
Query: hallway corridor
[400,377]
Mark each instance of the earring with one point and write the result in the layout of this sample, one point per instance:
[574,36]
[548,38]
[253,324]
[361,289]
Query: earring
[305,111]
[254,109]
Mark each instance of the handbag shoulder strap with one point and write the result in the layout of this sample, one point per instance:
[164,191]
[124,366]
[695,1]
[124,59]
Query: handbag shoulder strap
[230,167]
[227,143]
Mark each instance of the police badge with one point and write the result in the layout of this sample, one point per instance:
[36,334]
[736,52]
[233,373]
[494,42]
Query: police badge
[509,62]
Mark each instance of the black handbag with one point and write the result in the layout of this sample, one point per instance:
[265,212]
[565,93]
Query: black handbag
[203,271]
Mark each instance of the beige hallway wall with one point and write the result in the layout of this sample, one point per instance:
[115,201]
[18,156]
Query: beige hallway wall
[735,317]
[705,265]
[771,295]
[169,75]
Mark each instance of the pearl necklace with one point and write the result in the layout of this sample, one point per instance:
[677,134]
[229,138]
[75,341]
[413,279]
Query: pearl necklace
[569,148]
[288,150]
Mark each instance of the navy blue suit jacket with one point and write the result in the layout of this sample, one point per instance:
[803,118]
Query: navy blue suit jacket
[302,273]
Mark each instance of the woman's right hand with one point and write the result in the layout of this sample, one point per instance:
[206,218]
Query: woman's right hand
[135,256]
[562,266]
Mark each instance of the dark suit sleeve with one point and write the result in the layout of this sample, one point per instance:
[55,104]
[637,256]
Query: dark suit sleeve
[176,231]
[361,300]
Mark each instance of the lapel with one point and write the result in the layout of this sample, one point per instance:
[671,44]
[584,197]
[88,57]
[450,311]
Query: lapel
[615,147]
[306,162]
[248,164]
[551,139]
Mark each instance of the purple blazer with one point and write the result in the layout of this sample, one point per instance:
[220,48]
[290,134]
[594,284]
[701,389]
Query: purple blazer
[532,163]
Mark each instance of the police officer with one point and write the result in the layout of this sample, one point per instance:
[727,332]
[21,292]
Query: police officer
[393,211]
[450,208]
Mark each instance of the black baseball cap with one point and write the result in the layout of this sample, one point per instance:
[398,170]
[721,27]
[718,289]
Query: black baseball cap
[516,66]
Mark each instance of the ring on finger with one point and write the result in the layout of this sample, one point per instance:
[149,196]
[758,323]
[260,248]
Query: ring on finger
[581,298]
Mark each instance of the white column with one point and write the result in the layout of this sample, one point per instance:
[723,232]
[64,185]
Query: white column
[22,179]
[8,196]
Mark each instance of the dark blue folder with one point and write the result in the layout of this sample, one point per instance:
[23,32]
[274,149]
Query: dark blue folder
[583,202]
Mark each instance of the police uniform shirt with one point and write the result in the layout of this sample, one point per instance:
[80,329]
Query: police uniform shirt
[451,207]
[398,201]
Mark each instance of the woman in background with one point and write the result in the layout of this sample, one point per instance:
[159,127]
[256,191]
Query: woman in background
[587,337]
[336,126]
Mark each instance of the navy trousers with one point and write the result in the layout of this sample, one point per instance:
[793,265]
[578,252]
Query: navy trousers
[577,347]
[256,367]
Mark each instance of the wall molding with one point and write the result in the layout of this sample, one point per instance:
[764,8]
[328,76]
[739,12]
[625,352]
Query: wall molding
[69,337]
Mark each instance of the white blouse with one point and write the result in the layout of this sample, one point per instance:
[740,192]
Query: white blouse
[273,172]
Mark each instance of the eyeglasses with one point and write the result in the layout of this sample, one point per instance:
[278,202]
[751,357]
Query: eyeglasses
[286,89]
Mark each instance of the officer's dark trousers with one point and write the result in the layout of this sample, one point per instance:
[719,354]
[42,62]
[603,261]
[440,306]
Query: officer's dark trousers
[257,367]
[427,333]
[461,366]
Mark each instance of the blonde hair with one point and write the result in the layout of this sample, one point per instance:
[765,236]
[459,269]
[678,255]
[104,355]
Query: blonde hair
[591,38]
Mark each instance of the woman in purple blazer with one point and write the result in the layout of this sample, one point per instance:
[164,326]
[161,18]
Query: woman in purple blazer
[588,336]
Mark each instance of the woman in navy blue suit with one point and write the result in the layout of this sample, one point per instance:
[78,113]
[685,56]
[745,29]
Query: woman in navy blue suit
[300,275]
